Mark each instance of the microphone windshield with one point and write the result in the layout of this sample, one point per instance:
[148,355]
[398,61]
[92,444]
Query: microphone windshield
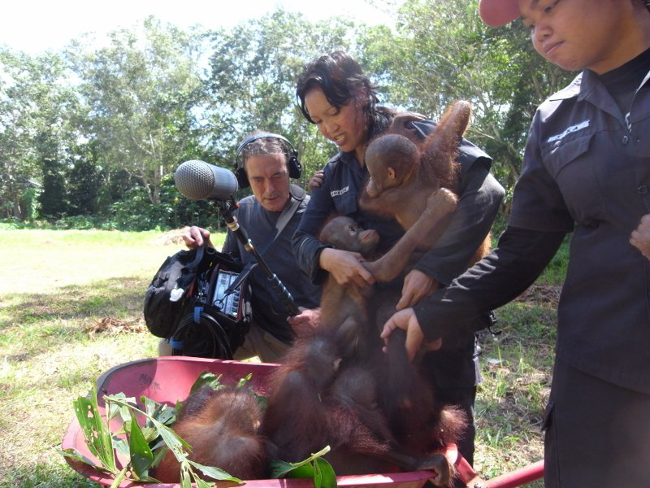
[198,180]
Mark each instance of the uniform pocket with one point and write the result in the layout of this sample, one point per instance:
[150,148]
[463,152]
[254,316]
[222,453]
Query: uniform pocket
[346,202]
[560,153]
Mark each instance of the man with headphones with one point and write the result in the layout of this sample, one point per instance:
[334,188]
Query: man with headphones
[265,162]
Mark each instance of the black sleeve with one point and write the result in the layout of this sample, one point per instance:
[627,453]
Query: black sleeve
[306,246]
[500,277]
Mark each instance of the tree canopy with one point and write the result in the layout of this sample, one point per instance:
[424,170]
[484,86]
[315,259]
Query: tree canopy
[98,131]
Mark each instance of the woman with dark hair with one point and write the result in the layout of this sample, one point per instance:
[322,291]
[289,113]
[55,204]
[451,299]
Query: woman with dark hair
[586,171]
[339,98]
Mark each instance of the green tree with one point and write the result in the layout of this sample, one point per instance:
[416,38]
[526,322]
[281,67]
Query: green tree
[35,109]
[143,94]
[440,52]
[85,181]
[53,199]
[252,85]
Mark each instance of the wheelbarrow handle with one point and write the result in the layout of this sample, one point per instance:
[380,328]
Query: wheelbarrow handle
[518,477]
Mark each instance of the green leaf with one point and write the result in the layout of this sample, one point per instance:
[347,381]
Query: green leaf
[203,484]
[186,479]
[98,437]
[76,455]
[306,471]
[174,442]
[243,381]
[281,468]
[326,474]
[319,470]
[113,409]
[141,455]
[160,411]
[214,472]
[206,378]
[121,445]
[159,453]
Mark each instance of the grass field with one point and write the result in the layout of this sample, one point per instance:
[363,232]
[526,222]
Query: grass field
[71,308]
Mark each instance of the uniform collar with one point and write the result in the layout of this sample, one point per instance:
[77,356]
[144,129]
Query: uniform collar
[575,88]
[583,85]
[347,157]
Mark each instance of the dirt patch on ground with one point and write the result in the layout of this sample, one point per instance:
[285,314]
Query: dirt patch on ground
[547,294]
[110,325]
[171,237]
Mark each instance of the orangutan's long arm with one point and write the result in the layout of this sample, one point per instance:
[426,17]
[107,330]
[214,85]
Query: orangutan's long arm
[430,226]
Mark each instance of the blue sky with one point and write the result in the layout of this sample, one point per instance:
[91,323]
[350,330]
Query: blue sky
[38,25]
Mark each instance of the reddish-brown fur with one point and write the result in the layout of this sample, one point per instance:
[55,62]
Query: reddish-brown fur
[338,388]
[405,171]
[221,426]
[304,414]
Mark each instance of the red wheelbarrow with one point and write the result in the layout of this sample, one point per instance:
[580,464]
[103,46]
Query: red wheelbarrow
[169,379]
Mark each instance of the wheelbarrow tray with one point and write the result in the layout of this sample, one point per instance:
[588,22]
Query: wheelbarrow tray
[169,379]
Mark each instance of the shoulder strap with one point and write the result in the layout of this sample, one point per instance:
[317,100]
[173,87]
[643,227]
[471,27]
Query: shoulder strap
[199,257]
[297,197]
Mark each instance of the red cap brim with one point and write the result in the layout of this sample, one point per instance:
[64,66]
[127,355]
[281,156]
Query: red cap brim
[496,13]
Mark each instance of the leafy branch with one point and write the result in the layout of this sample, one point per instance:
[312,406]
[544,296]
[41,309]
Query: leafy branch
[103,443]
[135,442]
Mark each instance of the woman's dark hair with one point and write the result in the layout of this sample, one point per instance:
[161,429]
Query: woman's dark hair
[340,77]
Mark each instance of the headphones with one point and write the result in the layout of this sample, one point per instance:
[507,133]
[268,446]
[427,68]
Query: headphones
[294,166]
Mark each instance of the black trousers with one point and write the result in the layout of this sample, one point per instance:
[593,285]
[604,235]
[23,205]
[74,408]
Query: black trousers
[453,372]
[597,433]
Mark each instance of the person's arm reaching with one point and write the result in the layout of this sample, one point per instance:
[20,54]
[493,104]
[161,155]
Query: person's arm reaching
[494,281]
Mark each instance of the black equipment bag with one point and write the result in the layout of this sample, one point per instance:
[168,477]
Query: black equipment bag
[200,301]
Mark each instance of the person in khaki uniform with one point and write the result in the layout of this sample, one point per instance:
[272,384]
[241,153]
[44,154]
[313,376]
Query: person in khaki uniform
[586,170]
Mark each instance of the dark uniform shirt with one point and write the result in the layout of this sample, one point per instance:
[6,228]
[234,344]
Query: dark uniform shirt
[587,164]
[344,180]
[260,224]
[480,197]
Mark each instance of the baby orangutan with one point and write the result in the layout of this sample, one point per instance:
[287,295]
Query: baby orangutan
[338,388]
[221,428]
[372,409]
[405,171]
[344,306]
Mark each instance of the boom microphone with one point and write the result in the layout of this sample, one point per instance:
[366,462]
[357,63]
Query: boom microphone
[198,180]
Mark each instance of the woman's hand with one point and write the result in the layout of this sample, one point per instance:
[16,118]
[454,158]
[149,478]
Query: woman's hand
[345,267]
[640,238]
[316,180]
[306,321]
[196,237]
[417,285]
[405,320]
